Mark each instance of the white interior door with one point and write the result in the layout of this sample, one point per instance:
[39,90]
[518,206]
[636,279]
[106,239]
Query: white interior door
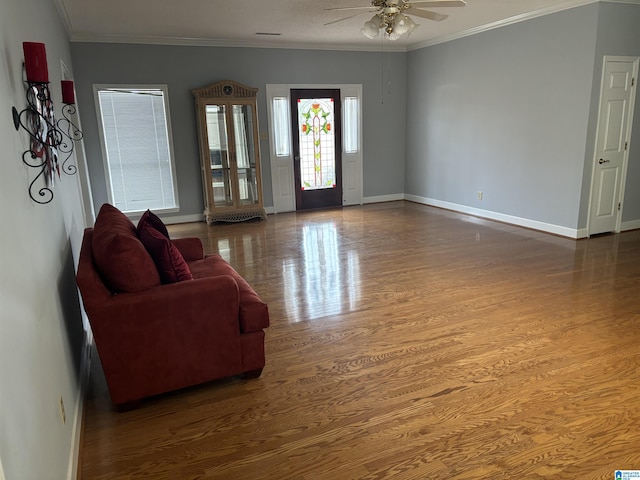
[617,97]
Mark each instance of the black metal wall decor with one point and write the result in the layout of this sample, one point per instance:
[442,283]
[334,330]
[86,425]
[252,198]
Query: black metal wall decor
[70,131]
[46,136]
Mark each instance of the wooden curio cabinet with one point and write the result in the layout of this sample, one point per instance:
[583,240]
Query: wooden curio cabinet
[229,152]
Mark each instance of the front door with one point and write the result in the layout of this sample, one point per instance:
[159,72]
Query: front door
[612,143]
[317,147]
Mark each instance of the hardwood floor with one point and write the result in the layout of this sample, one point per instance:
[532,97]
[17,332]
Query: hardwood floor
[406,342]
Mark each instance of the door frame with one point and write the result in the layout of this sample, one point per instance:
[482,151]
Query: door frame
[625,160]
[282,178]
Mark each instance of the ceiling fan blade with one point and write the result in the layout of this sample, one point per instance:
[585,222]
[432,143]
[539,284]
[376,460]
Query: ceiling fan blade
[342,19]
[368,7]
[443,3]
[438,17]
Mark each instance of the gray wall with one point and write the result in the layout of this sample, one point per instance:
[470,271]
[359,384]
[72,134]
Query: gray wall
[183,68]
[511,112]
[41,329]
[505,112]
[618,34]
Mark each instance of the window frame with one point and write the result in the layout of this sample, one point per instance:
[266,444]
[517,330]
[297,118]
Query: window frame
[97,88]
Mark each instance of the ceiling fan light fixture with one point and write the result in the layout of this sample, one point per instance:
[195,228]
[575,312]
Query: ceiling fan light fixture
[393,34]
[401,25]
[369,32]
[390,16]
[371,28]
[404,24]
[377,21]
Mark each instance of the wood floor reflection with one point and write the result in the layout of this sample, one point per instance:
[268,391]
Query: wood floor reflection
[406,342]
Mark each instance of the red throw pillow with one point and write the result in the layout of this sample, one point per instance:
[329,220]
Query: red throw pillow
[120,257]
[168,259]
[151,219]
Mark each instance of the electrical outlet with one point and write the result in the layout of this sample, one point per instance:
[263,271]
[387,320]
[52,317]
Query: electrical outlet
[479,195]
[62,414]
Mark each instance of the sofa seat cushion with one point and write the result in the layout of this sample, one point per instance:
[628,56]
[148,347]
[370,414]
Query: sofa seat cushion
[254,313]
[120,257]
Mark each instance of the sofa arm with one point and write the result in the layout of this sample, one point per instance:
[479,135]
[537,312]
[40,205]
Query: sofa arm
[167,337]
[190,248]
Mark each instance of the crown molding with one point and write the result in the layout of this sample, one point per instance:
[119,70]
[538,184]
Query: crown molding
[209,42]
[566,5]
[64,16]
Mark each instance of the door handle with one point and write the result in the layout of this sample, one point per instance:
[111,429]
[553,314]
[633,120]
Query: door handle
[602,160]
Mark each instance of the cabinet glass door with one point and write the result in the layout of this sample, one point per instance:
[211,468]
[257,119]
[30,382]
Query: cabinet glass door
[219,155]
[244,129]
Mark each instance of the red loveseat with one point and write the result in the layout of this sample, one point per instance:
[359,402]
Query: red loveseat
[153,336]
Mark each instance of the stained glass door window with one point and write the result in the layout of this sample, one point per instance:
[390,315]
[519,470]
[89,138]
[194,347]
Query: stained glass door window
[317,143]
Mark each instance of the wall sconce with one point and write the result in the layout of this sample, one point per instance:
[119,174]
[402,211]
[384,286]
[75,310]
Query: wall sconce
[46,135]
[69,130]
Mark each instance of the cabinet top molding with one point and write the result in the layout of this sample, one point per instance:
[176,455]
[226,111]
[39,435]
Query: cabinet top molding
[225,88]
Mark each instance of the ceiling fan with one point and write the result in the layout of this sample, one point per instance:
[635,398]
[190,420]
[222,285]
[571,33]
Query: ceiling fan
[392,16]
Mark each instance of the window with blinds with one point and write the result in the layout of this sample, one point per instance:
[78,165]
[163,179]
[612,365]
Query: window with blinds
[281,126]
[350,125]
[136,140]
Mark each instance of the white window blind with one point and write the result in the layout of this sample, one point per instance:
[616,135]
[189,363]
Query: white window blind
[281,126]
[136,140]
[350,126]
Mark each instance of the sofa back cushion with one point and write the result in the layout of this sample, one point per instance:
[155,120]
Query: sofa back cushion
[150,219]
[121,259]
[166,256]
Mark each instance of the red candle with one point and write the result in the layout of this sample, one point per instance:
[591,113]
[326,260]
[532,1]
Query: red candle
[35,61]
[68,96]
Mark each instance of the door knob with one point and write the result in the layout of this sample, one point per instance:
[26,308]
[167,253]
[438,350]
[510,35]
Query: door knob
[602,160]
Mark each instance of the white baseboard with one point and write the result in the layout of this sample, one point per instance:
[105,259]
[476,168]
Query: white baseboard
[582,233]
[384,198]
[631,225]
[183,219]
[477,212]
[500,217]
[85,369]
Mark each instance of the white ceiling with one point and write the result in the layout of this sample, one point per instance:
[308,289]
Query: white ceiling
[300,23]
